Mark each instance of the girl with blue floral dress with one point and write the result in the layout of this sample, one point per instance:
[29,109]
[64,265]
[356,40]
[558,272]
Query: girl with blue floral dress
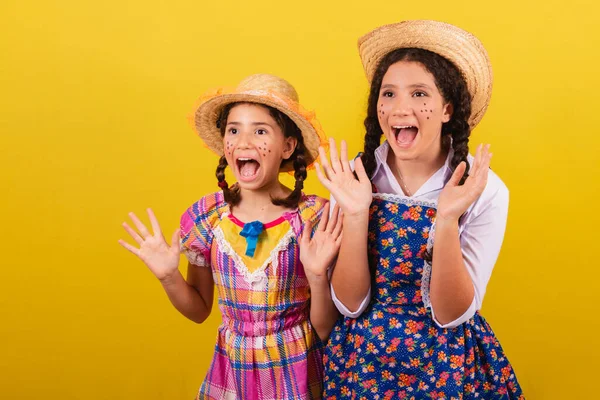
[423,225]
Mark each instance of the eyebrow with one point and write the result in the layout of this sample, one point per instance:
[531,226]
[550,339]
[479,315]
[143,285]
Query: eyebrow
[413,86]
[253,123]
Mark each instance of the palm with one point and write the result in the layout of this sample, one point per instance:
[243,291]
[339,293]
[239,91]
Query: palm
[353,195]
[154,251]
[454,199]
[317,253]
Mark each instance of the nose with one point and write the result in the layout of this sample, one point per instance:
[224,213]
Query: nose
[244,139]
[401,106]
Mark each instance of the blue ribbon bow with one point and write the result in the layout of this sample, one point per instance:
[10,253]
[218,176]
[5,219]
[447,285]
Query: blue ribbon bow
[251,231]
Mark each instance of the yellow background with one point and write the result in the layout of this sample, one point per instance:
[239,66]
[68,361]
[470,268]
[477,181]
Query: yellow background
[93,104]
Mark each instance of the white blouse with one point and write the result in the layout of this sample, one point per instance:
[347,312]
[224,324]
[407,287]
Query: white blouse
[481,229]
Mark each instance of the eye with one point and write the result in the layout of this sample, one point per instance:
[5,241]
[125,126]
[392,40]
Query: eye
[261,131]
[233,131]
[387,93]
[419,93]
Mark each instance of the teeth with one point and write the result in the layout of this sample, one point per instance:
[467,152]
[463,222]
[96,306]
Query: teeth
[245,159]
[402,127]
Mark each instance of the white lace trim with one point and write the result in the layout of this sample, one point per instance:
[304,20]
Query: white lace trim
[258,278]
[194,257]
[404,200]
[426,278]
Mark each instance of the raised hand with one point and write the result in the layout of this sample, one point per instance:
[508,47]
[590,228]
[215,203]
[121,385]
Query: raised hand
[353,195]
[317,253]
[454,199]
[154,251]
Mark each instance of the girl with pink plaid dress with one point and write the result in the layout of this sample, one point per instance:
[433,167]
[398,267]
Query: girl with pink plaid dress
[266,248]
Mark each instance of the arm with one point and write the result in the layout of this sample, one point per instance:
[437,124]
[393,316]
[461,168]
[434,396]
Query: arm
[317,254]
[452,290]
[351,279]
[192,298]
[323,313]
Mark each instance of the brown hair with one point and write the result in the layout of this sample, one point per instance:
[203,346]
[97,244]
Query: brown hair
[289,129]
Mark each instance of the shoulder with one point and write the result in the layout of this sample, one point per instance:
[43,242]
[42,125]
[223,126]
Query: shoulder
[208,210]
[311,206]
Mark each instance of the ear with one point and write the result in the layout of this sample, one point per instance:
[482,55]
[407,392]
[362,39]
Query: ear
[447,112]
[289,145]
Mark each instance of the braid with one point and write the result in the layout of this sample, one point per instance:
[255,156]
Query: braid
[231,195]
[458,127]
[299,173]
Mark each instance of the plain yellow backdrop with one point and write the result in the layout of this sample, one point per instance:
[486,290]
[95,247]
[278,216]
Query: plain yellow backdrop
[93,104]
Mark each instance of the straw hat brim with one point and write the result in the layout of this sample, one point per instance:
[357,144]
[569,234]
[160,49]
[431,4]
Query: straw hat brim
[458,46]
[208,112]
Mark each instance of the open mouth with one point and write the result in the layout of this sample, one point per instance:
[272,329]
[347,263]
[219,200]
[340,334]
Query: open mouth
[248,168]
[405,134]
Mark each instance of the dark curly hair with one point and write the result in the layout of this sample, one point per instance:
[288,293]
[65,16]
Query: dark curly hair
[453,88]
[289,129]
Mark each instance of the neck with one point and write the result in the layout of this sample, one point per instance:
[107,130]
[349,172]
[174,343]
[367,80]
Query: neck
[256,204]
[413,173]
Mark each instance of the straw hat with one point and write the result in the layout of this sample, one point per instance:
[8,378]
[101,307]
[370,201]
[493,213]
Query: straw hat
[263,89]
[463,49]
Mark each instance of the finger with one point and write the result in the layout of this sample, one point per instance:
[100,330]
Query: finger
[340,222]
[483,172]
[325,163]
[140,226]
[133,233]
[322,178]
[481,160]
[333,221]
[323,223]
[154,223]
[458,173]
[305,237]
[359,168]
[175,240]
[129,247]
[333,154]
[338,242]
[344,158]
[476,161]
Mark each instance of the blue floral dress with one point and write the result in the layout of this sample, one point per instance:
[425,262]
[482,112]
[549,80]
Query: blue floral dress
[394,350]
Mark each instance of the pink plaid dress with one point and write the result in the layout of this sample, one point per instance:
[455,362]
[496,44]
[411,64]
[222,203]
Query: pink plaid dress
[266,347]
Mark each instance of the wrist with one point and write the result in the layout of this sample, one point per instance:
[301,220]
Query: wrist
[317,280]
[357,218]
[170,278]
[442,221]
